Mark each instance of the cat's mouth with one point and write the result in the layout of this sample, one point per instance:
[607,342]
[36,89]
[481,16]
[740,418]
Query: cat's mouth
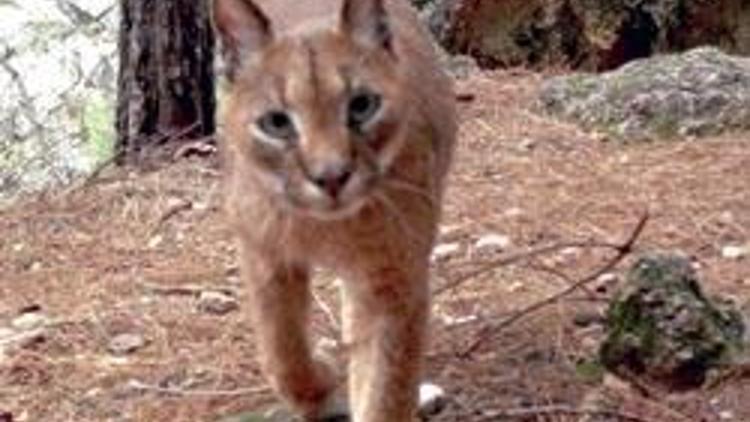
[310,201]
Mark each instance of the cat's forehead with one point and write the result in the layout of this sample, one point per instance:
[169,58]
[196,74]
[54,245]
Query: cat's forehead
[313,68]
[315,73]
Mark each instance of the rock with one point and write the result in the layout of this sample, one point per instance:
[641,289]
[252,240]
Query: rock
[701,92]
[29,321]
[726,415]
[11,340]
[735,252]
[445,251]
[605,282]
[450,321]
[217,303]
[432,400]
[125,344]
[492,243]
[513,212]
[584,319]
[586,34]
[6,333]
[662,327]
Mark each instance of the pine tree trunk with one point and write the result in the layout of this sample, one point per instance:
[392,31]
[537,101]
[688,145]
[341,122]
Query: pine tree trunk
[166,81]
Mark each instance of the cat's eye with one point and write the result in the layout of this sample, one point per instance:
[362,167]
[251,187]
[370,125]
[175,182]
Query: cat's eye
[362,107]
[277,124]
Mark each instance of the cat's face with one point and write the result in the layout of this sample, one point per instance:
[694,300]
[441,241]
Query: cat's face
[317,116]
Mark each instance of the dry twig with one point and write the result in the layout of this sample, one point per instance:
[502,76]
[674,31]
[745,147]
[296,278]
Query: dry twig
[623,250]
[520,256]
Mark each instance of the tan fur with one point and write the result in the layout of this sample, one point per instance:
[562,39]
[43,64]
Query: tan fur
[379,237]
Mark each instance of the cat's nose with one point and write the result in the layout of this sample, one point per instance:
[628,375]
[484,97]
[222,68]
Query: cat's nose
[333,177]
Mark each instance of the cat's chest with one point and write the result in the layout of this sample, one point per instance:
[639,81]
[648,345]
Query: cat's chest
[377,238]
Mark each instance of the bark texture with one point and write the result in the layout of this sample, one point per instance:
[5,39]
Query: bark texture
[166,81]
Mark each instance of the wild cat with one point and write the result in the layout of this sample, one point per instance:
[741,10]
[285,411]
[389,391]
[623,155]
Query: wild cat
[339,128]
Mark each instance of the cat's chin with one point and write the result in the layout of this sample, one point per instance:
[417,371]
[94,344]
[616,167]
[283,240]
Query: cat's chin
[333,212]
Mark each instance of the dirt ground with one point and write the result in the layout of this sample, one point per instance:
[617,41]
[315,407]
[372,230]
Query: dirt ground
[131,254]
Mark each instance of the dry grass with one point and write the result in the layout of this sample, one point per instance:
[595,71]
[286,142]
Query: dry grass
[129,253]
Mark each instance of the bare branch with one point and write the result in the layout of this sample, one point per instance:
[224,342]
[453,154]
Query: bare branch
[623,250]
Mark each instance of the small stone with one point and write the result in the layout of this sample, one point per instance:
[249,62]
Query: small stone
[449,229]
[515,286]
[6,333]
[432,399]
[125,344]
[604,282]
[492,243]
[735,252]
[217,303]
[513,212]
[29,321]
[451,321]
[155,241]
[21,339]
[527,144]
[726,415]
[585,319]
[445,251]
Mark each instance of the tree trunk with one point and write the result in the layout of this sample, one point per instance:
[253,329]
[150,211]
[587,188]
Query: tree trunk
[166,81]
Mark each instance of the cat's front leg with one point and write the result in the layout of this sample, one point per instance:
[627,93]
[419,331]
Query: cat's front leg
[385,327]
[280,297]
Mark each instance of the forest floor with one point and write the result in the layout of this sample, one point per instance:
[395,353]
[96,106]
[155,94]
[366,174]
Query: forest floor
[109,285]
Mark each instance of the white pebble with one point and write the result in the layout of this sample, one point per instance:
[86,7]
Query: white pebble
[432,399]
[726,415]
[29,321]
[125,344]
[514,212]
[735,252]
[445,251]
[216,303]
[492,243]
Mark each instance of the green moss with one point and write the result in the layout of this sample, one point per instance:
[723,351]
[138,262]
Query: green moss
[590,371]
[661,325]
[97,127]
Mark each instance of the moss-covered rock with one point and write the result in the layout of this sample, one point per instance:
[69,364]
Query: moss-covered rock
[700,92]
[663,327]
[587,34]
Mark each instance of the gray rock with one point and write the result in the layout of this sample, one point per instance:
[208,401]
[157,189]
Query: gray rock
[701,92]
[492,243]
[29,321]
[125,344]
[663,327]
[216,303]
[445,251]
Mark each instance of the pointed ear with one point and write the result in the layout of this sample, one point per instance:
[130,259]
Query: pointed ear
[243,29]
[367,22]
